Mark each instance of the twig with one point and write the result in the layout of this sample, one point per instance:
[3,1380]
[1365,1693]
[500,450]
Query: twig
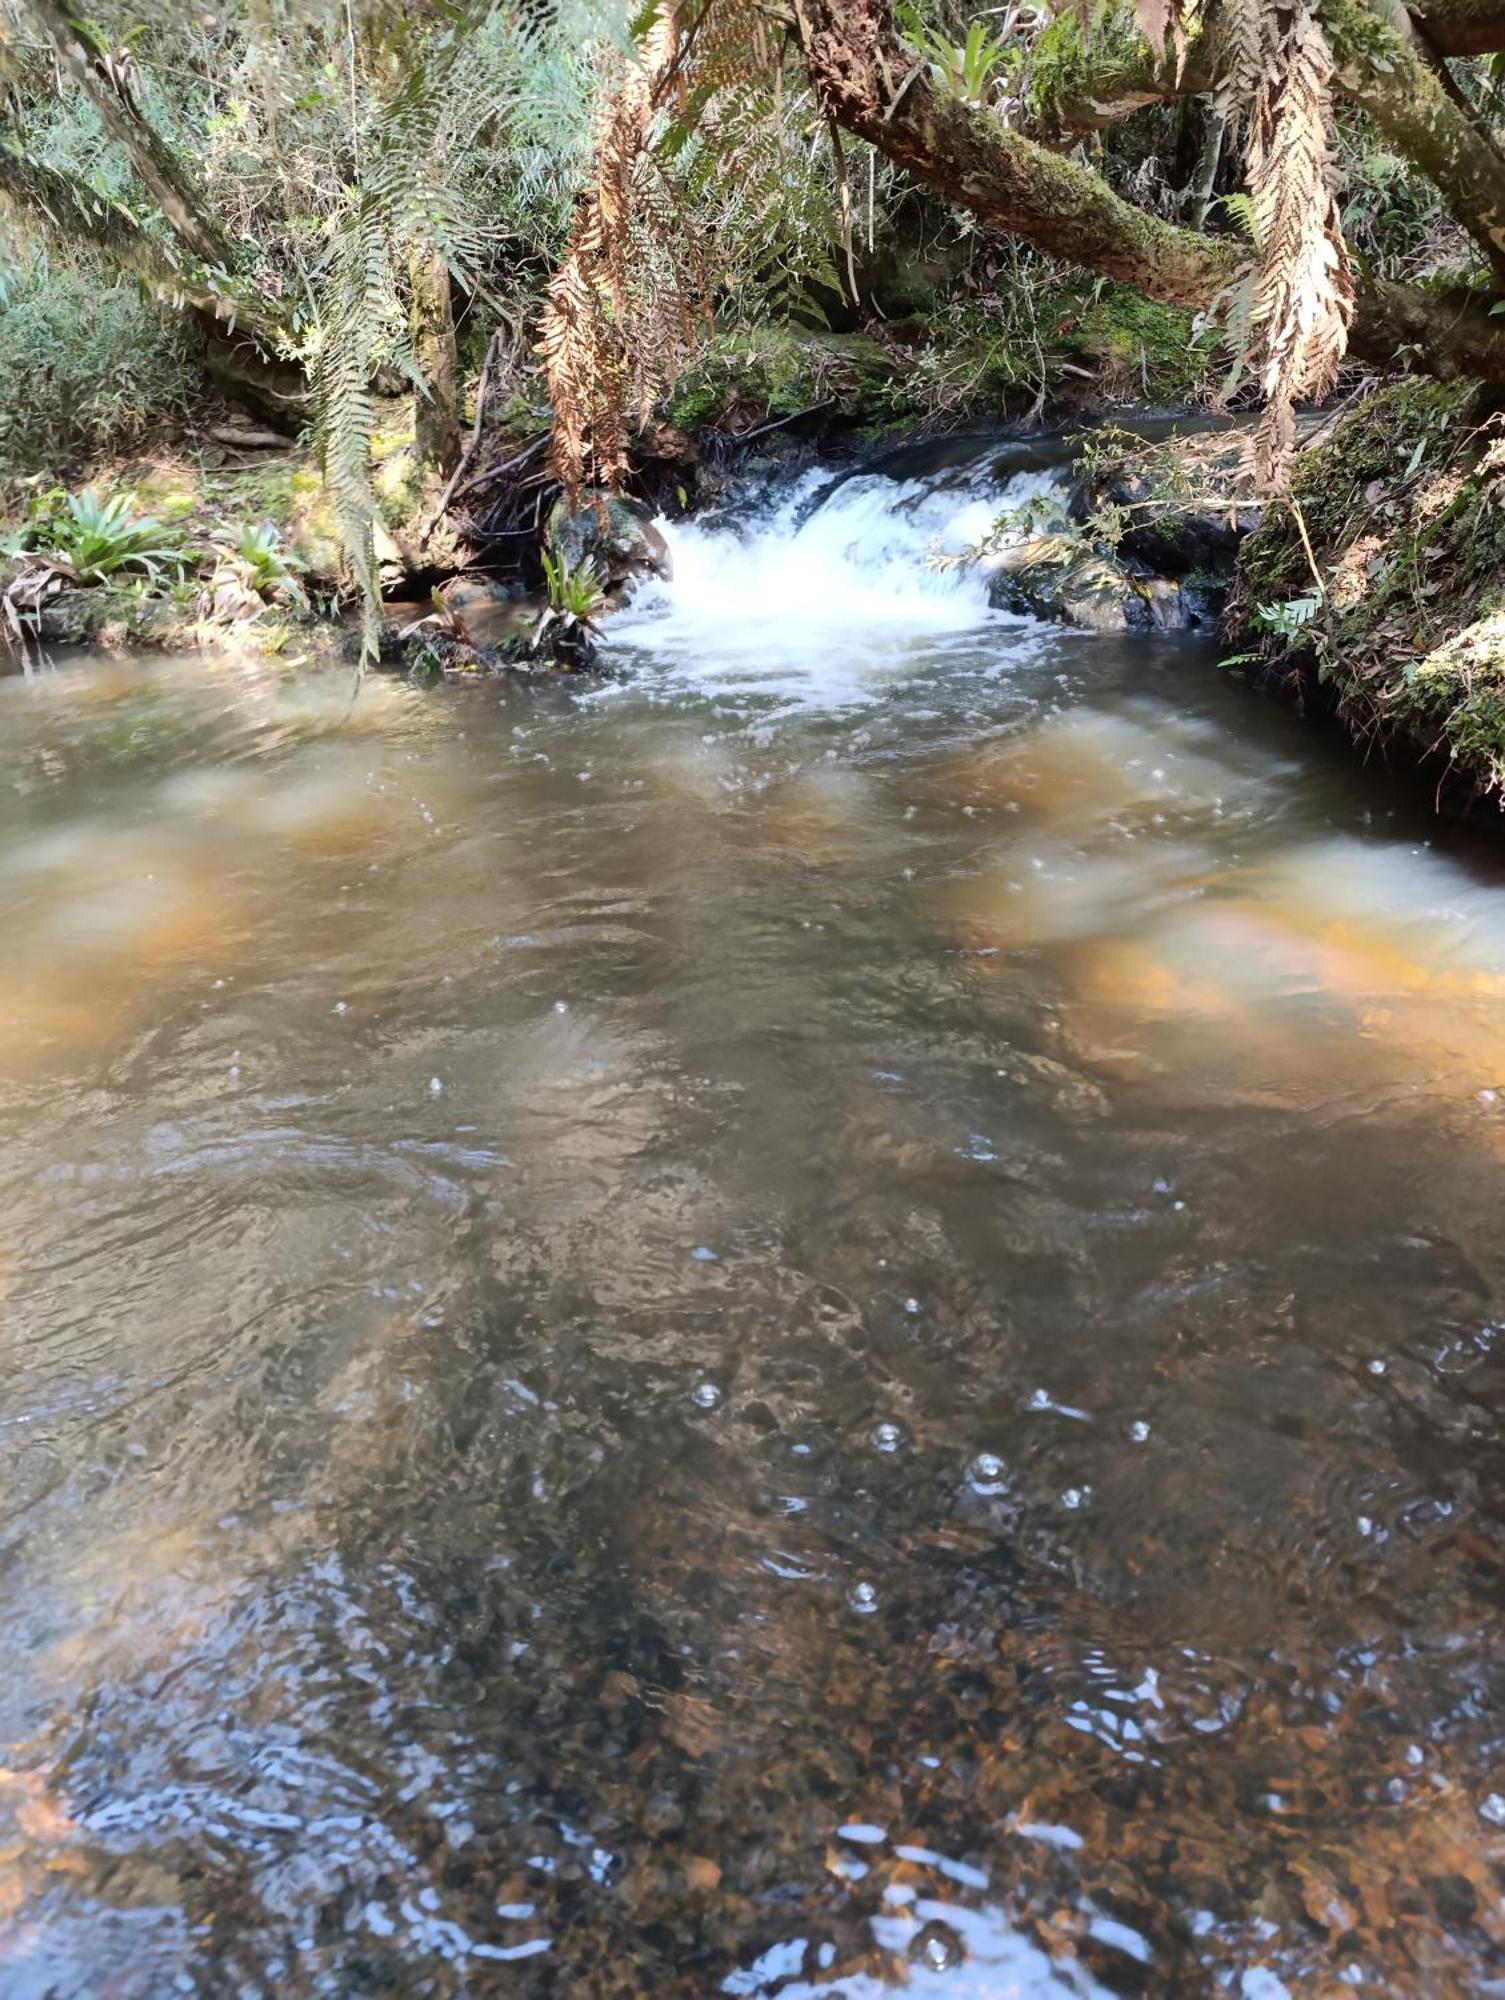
[898,97]
[844,190]
[494,472]
[777,423]
[483,382]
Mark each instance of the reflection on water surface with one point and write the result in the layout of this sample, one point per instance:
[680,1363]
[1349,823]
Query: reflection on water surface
[682,1341]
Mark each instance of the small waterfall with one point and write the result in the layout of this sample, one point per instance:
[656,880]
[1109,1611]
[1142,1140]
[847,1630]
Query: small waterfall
[819,601]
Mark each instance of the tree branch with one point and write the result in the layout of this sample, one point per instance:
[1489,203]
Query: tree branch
[74,211]
[1383,69]
[157,167]
[962,153]
[1464,27]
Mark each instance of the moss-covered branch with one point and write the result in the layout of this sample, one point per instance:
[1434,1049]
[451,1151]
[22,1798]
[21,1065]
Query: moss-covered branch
[1383,70]
[153,161]
[876,88]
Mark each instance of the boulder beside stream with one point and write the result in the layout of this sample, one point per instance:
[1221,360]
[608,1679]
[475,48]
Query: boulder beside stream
[615,536]
[1063,577]
[1060,576]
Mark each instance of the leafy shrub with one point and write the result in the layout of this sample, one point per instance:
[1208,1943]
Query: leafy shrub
[87,363]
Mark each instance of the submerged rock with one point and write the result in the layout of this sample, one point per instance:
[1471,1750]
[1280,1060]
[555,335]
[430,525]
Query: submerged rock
[1179,505]
[561,646]
[613,535]
[1059,576]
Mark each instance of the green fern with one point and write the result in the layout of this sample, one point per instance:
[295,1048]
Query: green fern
[421,98]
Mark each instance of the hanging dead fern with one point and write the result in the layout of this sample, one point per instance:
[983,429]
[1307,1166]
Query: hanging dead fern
[709,178]
[1297,302]
[610,338]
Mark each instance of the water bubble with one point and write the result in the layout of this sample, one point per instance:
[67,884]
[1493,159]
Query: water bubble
[937,1947]
[985,1473]
[703,1254]
[911,1305]
[863,1597]
[705,1395]
[341,1007]
[1493,1809]
[1377,1368]
[561,1006]
[1139,1430]
[887,1436]
[1075,1497]
[436,1088]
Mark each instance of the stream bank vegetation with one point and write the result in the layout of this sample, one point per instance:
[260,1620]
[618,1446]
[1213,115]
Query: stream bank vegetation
[362,303]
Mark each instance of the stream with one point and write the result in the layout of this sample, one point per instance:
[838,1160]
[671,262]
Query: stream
[829,1320]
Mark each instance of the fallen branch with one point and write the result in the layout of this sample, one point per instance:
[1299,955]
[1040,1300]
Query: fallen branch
[483,384]
[778,423]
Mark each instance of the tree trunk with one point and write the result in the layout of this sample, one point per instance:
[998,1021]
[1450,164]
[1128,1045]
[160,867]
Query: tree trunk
[1205,178]
[436,413]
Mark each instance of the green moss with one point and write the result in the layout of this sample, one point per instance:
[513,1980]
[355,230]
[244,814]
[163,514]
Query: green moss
[776,372]
[1063,72]
[1405,512]
[1157,347]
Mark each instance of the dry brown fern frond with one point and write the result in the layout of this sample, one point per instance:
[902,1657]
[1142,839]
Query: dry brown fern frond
[1278,80]
[703,97]
[596,344]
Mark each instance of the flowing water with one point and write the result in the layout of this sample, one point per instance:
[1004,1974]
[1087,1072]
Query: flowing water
[827,1321]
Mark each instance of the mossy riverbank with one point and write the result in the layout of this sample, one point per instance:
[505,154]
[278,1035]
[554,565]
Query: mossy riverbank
[1377,592]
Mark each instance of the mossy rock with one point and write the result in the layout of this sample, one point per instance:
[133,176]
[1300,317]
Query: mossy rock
[614,536]
[114,616]
[1177,504]
[777,372]
[1063,578]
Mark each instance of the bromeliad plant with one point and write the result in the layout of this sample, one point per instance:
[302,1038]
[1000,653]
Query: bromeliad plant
[250,572]
[74,539]
[94,539]
[576,599]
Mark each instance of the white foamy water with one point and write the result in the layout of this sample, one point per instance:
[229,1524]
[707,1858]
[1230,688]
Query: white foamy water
[822,608]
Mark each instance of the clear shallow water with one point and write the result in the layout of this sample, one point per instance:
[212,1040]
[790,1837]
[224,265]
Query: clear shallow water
[831,1317]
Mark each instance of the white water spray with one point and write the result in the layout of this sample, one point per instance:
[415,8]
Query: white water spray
[822,604]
